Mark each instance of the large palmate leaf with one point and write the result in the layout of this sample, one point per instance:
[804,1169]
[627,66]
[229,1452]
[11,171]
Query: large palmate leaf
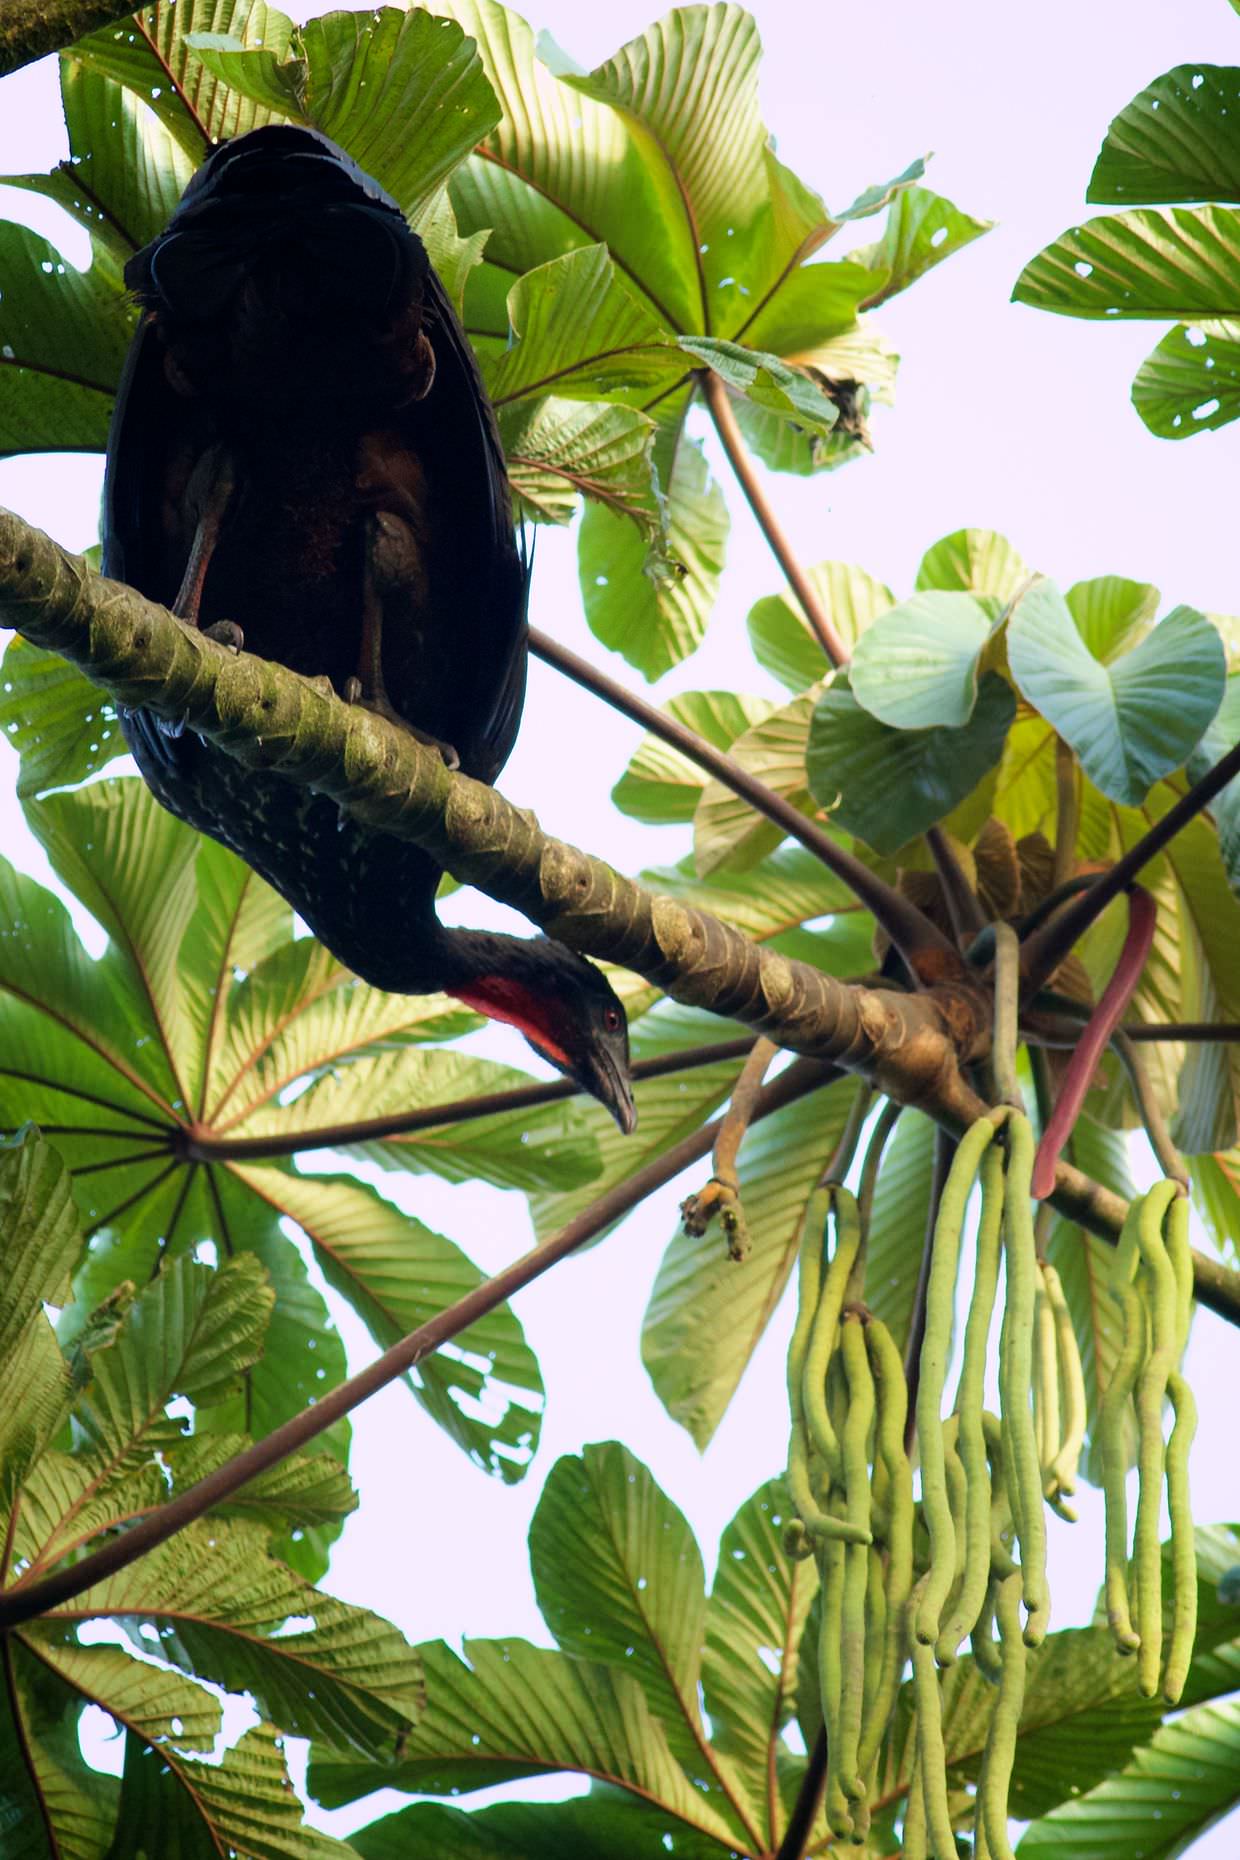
[661,785]
[780,634]
[205,1025]
[917,665]
[973,562]
[40,1238]
[63,337]
[728,835]
[558,450]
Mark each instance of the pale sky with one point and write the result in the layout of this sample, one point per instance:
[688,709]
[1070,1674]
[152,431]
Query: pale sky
[1005,418]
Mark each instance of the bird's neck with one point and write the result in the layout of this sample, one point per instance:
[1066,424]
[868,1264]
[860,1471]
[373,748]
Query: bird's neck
[507,978]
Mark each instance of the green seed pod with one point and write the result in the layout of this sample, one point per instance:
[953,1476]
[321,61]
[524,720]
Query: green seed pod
[1156,1284]
[809,1286]
[822,1337]
[855,1441]
[935,1349]
[830,1679]
[821,1526]
[1002,1523]
[1112,1431]
[1072,1383]
[891,1394]
[1045,1382]
[930,1751]
[1183,1543]
[970,1395]
[1024,1474]
[913,1836]
[985,1652]
[1180,1253]
[996,1771]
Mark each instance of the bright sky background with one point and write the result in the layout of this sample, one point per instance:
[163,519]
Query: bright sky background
[1005,418]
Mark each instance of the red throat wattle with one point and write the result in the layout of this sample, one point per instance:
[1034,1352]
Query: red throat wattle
[500,998]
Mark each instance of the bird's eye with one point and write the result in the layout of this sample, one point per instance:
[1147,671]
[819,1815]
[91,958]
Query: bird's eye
[611,1019]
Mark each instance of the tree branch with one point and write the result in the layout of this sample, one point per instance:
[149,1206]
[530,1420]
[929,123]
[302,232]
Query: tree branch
[29,29]
[200,1144]
[928,953]
[272,719]
[1047,947]
[824,631]
[910,1047]
[34,1594]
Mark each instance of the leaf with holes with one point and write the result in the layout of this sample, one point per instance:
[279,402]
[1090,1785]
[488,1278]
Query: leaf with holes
[1153,262]
[1179,139]
[922,230]
[1190,383]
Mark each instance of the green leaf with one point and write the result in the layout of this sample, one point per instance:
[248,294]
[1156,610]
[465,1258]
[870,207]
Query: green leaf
[63,727]
[63,339]
[305,1490]
[874,198]
[1177,140]
[517,1710]
[727,833]
[427,100]
[973,562]
[780,634]
[244,1804]
[660,785]
[655,614]
[1134,720]
[1190,382]
[149,56]
[560,450]
[1225,807]
[707,1313]
[397,1274]
[898,1222]
[125,172]
[1112,614]
[922,230]
[765,380]
[579,332]
[1170,1791]
[602,1824]
[888,786]
[757,1609]
[815,305]
[40,1237]
[618,1576]
[917,665]
[226,1612]
[1152,262]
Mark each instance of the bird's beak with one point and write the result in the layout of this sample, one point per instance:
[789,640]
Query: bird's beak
[609,1084]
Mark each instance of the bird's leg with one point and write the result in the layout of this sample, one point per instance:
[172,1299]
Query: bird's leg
[207,496]
[386,565]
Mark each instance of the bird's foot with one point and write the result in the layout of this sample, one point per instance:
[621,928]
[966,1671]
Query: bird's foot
[225,633]
[378,703]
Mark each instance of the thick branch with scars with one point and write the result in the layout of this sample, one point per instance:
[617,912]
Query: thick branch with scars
[912,1047]
[29,29]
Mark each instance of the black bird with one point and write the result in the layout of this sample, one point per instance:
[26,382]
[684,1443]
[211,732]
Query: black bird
[303,460]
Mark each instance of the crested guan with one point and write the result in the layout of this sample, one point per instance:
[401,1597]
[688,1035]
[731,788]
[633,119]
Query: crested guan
[303,459]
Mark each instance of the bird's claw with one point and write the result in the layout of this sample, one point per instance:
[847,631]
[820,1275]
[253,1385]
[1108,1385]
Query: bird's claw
[354,693]
[225,633]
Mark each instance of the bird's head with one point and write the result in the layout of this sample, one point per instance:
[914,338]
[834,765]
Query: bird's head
[569,1013]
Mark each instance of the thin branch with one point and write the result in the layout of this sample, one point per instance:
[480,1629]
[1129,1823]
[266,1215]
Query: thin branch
[967,916]
[722,1195]
[1169,1158]
[30,29]
[1067,812]
[1046,949]
[271,719]
[1007,1007]
[888,1118]
[1224,1032]
[198,1145]
[821,624]
[913,934]
[34,1595]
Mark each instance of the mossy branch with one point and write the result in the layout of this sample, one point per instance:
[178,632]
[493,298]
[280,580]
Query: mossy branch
[913,1048]
[30,29]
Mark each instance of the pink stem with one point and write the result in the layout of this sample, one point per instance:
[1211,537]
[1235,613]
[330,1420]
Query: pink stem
[1142,915]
